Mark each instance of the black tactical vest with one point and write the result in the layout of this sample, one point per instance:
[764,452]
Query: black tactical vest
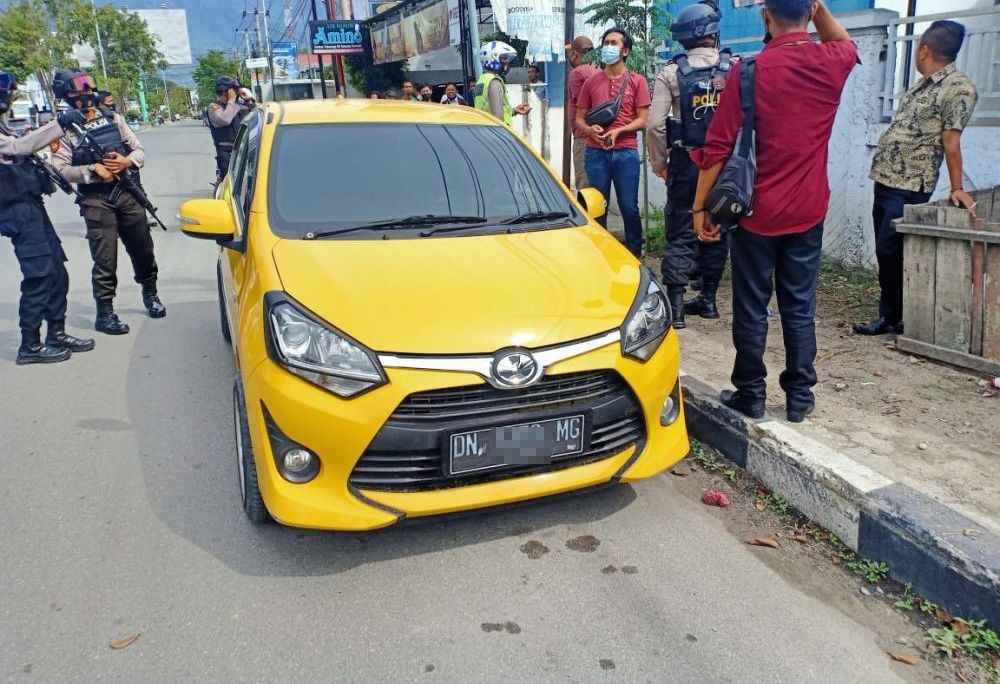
[21,180]
[700,93]
[225,134]
[102,130]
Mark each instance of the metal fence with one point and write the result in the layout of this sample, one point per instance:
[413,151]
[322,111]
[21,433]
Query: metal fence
[979,59]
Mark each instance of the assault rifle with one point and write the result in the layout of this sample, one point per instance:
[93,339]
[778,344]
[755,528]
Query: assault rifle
[54,175]
[125,180]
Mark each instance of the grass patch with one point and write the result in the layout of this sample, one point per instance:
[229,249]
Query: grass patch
[873,571]
[656,236]
[848,292]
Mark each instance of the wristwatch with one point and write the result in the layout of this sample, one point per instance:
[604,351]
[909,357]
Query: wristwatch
[91,168]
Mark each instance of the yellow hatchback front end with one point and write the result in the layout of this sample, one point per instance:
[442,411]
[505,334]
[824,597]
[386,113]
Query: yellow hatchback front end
[425,321]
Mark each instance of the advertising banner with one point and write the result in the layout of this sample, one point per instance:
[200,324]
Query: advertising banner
[423,30]
[454,23]
[336,38]
[285,57]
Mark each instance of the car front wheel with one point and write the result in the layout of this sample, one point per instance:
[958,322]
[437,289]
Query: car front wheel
[253,502]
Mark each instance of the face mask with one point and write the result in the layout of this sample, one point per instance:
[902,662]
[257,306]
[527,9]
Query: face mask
[611,54]
[87,100]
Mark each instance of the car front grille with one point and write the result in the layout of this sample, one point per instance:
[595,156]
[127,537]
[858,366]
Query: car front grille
[408,452]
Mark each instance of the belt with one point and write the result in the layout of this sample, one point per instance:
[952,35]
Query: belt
[95,189]
[225,144]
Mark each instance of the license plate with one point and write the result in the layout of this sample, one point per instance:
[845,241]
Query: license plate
[515,445]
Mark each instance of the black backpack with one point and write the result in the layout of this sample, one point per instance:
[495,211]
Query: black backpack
[732,197]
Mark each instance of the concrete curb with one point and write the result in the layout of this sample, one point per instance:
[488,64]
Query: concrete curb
[921,539]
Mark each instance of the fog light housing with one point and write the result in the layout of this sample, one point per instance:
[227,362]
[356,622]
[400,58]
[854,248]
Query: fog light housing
[294,462]
[671,410]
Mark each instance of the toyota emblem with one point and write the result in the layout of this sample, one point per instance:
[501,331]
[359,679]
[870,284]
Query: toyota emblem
[515,369]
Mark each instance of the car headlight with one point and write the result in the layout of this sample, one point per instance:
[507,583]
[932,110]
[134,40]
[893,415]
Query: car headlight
[318,353]
[648,321]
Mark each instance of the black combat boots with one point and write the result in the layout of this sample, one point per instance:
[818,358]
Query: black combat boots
[57,338]
[152,302]
[676,297]
[107,320]
[704,304]
[33,351]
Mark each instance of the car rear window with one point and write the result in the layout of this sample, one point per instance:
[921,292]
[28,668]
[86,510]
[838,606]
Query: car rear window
[328,176]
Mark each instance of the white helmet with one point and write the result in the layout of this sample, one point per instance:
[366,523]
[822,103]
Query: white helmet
[497,56]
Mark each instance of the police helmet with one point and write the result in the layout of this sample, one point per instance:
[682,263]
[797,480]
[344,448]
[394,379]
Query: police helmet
[70,80]
[224,83]
[696,21]
[497,56]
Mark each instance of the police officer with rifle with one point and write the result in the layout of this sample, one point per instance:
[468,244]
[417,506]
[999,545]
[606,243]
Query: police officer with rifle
[101,156]
[685,97]
[225,114]
[24,178]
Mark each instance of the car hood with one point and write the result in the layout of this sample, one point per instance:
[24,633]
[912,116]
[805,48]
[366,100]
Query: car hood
[464,295]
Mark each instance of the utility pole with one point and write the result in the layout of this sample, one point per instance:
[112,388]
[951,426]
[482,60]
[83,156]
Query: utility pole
[322,78]
[569,28]
[270,59]
[338,60]
[910,46]
[474,37]
[100,43]
[166,93]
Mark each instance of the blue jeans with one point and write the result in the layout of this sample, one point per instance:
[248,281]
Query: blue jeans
[792,261]
[621,168]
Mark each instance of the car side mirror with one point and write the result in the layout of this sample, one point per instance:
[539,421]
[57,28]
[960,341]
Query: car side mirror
[207,219]
[593,202]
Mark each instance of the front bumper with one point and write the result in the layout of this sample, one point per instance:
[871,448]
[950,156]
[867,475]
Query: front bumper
[339,431]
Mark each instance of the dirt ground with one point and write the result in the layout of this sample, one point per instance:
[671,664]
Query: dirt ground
[816,567]
[916,421]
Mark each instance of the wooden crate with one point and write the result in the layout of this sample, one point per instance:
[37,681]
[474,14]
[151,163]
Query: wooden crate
[951,282]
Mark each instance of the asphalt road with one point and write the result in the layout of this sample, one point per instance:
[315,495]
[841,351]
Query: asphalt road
[121,515]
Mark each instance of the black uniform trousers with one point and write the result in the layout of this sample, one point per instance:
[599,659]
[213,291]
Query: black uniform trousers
[110,216]
[790,264]
[42,260]
[684,256]
[888,207]
[223,152]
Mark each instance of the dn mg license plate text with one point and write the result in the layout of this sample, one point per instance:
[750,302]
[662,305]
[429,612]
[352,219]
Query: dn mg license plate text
[515,445]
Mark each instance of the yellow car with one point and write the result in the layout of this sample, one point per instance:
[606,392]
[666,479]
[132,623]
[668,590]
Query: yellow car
[425,320]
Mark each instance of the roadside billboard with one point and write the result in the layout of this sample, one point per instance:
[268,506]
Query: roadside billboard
[336,37]
[285,58]
[170,32]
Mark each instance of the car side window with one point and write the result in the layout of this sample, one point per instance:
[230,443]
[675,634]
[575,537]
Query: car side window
[243,190]
[237,162]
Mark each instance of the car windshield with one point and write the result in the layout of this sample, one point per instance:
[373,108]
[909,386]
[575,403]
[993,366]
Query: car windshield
[325,178]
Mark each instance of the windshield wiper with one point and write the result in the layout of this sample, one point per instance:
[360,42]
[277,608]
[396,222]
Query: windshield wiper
[404,222]
[533,216]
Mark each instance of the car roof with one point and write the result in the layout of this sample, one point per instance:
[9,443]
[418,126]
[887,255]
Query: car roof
[375,111]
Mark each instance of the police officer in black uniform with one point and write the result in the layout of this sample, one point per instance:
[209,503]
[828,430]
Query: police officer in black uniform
[39,253]
[109,211]
[225,114]
[686,94]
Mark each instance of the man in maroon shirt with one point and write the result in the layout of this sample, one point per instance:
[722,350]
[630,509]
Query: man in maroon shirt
[578,49]
[612,156]
[798,88]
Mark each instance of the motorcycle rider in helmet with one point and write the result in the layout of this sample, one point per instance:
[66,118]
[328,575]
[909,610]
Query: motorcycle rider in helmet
[491,89]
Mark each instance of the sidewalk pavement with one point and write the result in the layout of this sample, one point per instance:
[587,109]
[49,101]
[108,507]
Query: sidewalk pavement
[900,460]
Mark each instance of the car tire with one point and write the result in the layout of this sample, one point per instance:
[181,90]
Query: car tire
[253,502]
[223,318]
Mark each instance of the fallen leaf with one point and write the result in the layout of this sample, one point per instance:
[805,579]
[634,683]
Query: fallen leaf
[836,560]
[962,674]
[763,491]
[908,659]
[960,626]
[996,663]
[119,644]
[823,536]
[801,538]
[970,533]
[678,474]
[943,616]
[760,505]
[764,541]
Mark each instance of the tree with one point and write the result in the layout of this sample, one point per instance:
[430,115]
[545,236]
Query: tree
[211,65]
[646,23]
[23,50]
